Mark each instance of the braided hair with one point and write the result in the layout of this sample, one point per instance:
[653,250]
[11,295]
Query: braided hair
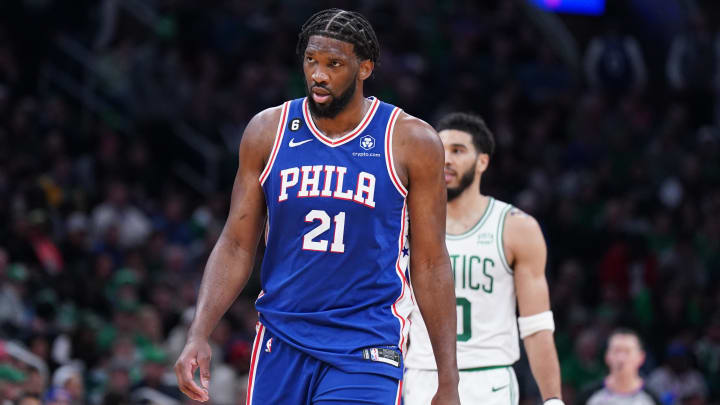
[346,26]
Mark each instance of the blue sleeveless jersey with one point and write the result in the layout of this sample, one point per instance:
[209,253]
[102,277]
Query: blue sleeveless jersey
[334,274]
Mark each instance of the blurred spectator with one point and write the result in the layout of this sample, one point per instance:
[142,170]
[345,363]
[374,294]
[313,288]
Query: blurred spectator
[224,383]
[118,384]
[69,378]
[693,58]
[12,295]
[614,62]
[11,380]
[117,214]
[58,396]
[177,336]
[35,383]
[46,250]
[76,246]
[171,221]
[583,366]
[28,399]
[676,381]
[693,65]
[623,385]
[155,375]
[707,351]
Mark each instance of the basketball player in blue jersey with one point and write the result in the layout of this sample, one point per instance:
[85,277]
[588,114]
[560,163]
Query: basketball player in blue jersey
[345,187]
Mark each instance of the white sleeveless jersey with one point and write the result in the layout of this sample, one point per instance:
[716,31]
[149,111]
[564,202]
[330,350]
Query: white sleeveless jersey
[487,332]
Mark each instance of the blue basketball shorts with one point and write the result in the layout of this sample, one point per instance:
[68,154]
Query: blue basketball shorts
[283,375]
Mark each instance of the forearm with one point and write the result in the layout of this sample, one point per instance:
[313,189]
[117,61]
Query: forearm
[226,273]
[540,348]
[435,294]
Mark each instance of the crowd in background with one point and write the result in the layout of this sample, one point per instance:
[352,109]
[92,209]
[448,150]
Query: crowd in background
[607,133]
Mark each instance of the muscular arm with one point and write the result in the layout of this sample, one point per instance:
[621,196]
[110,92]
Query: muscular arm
[525,249]
[422,158]
[231,260]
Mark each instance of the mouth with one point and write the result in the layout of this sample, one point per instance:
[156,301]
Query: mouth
[320,95]
[449,176]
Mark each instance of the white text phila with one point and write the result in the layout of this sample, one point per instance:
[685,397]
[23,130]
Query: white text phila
[332,179]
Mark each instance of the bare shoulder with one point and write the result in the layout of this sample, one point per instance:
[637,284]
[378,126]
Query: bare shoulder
[521,230]
[416,147]
[411,130]
[260,131]
[518,223]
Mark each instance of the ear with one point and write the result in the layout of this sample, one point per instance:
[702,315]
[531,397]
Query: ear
[482,162]
[366,69]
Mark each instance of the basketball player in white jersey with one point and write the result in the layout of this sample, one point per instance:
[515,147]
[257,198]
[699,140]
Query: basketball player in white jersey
[498,258]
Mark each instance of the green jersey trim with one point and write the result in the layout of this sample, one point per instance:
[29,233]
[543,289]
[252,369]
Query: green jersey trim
[500,243]
[477,226]
[482,368]
[512,386]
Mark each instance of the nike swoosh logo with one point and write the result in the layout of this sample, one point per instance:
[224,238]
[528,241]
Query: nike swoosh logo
[293,144]
[498,388]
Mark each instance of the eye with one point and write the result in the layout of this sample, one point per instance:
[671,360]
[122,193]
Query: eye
[335,63]
[309,59]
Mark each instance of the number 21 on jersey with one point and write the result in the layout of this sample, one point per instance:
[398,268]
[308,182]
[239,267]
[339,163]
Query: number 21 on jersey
[321,245]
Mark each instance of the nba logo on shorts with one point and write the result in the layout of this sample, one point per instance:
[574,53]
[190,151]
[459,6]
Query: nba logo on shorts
[268,346]
[367,142]
[374,355]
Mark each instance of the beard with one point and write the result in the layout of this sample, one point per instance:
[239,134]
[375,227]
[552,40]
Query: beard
[465,181]
[336,104]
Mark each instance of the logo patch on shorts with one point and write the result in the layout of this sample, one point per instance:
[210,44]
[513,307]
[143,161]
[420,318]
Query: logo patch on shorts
[268,346]
[383,355]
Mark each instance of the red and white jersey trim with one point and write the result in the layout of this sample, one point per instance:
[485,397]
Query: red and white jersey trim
[345,138]
[277,143]
[398,397]
[254,362]
[403,305]
[389,159]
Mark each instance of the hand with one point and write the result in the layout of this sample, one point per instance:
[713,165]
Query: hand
[446,396]
[195,354]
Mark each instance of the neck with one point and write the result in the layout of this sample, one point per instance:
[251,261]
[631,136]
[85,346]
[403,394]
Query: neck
[469,201]
[347,119]
[623,384]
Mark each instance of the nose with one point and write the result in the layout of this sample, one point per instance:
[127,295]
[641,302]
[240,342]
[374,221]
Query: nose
[447,157]
[319,76]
